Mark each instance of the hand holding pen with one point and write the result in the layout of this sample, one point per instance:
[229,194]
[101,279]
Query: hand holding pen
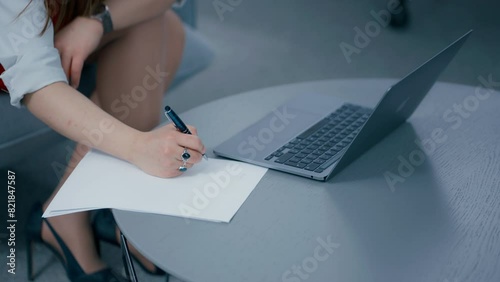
[164,152]
[181,126]
[161,152]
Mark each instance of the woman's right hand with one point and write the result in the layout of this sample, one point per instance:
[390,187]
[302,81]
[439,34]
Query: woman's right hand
[75,42]
[158,152]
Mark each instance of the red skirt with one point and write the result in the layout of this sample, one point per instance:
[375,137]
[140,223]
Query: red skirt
[3,88]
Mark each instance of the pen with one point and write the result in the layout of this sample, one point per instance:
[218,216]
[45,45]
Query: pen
[179,124]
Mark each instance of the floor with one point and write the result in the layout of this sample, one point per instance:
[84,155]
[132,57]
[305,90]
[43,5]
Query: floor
[264,43]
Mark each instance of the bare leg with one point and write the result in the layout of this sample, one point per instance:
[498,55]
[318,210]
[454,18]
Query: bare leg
[74,229]
[135,70]
[130,85]
[132,90]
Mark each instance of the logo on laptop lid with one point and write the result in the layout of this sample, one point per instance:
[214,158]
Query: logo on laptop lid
[402,105]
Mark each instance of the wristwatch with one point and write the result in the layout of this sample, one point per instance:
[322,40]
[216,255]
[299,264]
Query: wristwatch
[101,13]
[179,3]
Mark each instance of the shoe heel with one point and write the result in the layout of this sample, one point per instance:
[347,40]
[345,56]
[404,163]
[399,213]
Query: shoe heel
[29,256]
[73,269]
[104,227]
[33,234]
[97,245]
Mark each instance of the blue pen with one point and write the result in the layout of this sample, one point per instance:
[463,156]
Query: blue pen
[179,124]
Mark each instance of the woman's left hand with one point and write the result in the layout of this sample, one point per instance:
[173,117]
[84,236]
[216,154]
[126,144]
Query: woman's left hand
[75,43]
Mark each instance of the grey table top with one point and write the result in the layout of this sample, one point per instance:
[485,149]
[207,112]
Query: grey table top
[438,221]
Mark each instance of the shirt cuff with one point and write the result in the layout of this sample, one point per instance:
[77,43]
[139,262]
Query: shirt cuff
[33,70]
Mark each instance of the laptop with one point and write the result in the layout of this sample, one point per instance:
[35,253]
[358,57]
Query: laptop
[316,136]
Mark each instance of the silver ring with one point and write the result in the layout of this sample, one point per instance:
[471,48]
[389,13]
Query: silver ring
[183,167]
[185,155]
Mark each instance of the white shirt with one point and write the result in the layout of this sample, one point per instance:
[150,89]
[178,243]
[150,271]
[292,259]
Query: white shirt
[30,60]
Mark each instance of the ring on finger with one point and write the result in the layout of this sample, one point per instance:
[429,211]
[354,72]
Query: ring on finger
[183,167]
[185,155]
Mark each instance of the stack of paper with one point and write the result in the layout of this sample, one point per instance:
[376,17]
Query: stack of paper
[212,190]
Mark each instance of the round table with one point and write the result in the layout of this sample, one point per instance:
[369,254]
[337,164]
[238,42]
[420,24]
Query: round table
[421,205]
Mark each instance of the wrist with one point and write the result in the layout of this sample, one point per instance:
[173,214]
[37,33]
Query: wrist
[135,149]
[95,24]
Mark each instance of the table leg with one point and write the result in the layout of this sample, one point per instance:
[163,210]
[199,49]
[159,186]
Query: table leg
[127,260]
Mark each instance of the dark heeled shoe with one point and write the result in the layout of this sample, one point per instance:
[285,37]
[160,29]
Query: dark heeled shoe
[73,270]
[104,225]
[400,19]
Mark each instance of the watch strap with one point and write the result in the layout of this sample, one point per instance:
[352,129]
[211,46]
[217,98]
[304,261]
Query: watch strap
[107,22]
[105,18]
[179,3]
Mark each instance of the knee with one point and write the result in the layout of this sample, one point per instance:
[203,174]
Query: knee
[174,25]
[167,25]
[147,123]
[143,119]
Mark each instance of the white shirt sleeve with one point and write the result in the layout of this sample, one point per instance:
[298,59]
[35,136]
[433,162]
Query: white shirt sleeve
[30,60]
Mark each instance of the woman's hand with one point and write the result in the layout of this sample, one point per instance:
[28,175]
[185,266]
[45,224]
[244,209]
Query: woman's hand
[159,152]
[75,43]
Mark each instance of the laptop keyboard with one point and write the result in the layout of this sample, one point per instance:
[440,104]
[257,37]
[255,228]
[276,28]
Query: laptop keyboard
[322,144]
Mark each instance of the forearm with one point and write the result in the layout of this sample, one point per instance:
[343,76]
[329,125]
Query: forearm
[125,13]
[73,115]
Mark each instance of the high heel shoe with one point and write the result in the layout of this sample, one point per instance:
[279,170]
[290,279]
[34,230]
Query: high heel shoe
[73,270]
[104,225]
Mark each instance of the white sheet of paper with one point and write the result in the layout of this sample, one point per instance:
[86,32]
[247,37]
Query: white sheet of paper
[213,190]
